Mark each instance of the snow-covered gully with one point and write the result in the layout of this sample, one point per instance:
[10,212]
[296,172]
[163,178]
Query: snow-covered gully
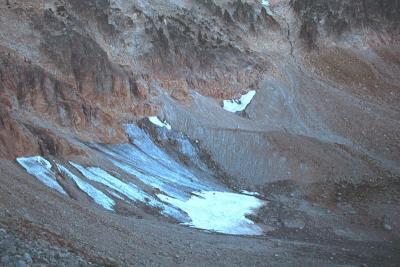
[177,193]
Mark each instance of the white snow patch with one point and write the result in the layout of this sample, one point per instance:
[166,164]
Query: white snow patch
[166,187]
[222,212]
[265,3]
[156,121]
[130,190]
[103,177]
[250,193]
[98,196]
[41,169]
[237,105]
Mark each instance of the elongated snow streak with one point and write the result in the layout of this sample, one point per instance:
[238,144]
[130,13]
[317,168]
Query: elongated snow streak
[103,177]
[98,196]
[238,105]
[249,193]
[131,191]
[156,121]
[41,169]
[115,194]
[222,212]
[151,155]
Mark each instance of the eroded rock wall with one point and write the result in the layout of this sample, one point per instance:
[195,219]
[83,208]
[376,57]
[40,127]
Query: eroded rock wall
[333,18]
[88,66]
[77,70]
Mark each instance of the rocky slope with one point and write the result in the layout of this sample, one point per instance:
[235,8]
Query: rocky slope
[319,140]
[82,62]
[336,19]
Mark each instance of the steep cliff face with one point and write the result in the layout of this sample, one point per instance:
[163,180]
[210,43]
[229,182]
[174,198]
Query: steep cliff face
[84,68]
[324,19]
[89,66]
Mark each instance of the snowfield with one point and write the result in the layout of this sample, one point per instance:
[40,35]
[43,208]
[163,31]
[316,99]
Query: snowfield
[129,190]
[222,212]
[178,193]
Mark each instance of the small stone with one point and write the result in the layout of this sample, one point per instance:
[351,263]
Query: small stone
[294,223]
[28,258]
[276,255]
[387,227]
[12,250]
[3,231]
[5,260]
[21,263]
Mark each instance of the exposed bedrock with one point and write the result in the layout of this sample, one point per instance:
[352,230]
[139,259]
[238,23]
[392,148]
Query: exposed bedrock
[78,70]
[377,21]
[90,66]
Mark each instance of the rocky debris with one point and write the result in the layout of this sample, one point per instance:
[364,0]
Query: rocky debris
[294,223]
[227,17]
[387,227]
[244,12]
[386,224]
[22,253]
